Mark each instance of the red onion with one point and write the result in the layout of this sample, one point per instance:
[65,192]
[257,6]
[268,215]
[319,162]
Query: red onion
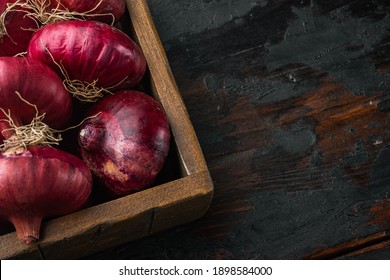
[16,28]
[126,145]
[34,82]
[94,57]
[108,11]
[38,183]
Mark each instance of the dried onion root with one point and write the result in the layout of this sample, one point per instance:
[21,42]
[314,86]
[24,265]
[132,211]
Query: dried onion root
[16,27]
[92,58]
[34,133]
[3,28]
[11,7]
[42,12]
[83,91]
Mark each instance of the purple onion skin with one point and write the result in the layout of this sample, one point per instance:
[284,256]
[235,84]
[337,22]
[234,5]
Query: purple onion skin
[126,145]
[90,51]
[104,10]
[38,183]
[39,85]
[20,29]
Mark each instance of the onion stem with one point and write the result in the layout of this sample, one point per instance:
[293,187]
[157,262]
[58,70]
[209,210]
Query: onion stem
[27,228]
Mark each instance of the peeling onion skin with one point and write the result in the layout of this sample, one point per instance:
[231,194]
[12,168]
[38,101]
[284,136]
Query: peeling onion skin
[20,29]
[39,183]
[90,51]
[127,144]
[114,7]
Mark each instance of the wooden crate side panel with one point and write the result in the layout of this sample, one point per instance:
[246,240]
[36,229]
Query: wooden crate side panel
[188,207]
[116,222]
[99,237]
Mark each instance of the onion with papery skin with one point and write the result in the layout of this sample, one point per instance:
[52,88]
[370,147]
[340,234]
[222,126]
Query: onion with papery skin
[108,11]
[126,145]
[32,81]
[38,183]
[93,57]
[16,28]
[49,11]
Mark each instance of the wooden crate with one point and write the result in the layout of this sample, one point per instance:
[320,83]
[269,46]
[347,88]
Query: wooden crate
[161,207]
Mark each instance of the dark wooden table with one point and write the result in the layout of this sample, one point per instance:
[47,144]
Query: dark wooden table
[290,101]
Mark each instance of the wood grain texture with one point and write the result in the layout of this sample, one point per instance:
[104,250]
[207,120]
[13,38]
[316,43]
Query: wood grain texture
[290,102]
[164,86]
